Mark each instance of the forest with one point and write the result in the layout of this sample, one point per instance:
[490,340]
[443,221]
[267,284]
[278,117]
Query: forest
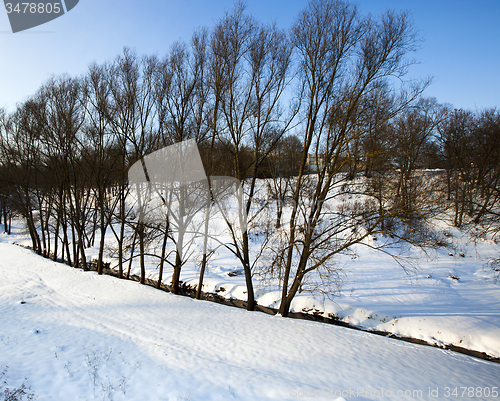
[328,139]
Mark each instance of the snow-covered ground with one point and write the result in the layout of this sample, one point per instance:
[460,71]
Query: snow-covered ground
[74,335]
[452,297]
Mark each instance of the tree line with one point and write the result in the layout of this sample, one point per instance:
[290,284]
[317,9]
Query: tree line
[348,147]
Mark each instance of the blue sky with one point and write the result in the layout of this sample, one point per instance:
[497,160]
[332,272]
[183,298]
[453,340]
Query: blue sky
[461,47]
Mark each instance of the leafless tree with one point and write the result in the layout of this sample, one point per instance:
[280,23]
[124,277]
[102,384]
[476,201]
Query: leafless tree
[413,130]
[181,101]
[343,58]
[472,159]
[101,150]
[251,67]
[64,118]
[132,100]
[20,150]
[283,165]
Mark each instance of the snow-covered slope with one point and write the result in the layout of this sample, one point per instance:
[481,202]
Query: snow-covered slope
[79,336]
[452,297]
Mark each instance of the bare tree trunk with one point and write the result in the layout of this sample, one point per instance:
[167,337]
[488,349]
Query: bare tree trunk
[177,274]
[140,233]
[122,231]
[103,226]
[205,244]
[131,255]
[162,260]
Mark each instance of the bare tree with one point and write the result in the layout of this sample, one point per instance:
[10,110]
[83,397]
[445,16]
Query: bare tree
[101,150]
[20,150]
[413,131]
[469,143]
[62,144]
[343,58]
[132,108]
[252,67]
[181,97]
[283,165]
[6,187]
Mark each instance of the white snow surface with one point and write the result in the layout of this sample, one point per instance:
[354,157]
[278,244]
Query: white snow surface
[451,297]
[448,296]
[74,335]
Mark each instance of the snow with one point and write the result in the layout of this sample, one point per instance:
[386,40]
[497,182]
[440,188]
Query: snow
[78,336]
[428,304]
[449,297]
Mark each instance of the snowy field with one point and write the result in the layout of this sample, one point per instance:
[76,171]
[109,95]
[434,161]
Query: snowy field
[73,335]
[447,296]
[451,296]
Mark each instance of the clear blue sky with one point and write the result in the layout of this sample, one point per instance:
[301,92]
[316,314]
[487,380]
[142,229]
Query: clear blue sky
[461,46]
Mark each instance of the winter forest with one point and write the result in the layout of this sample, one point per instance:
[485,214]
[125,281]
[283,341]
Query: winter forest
[328,141]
